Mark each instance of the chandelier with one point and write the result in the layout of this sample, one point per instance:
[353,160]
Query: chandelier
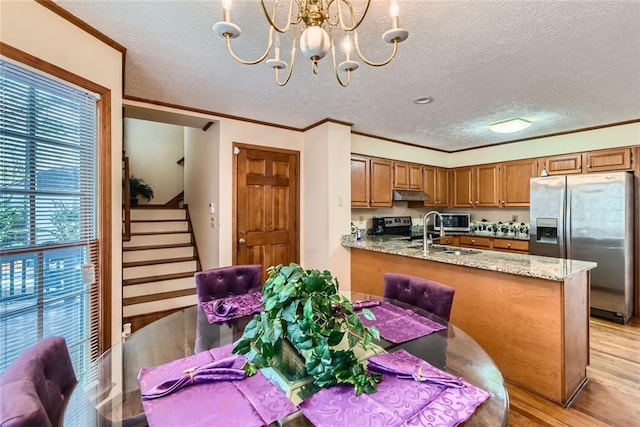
[320,23]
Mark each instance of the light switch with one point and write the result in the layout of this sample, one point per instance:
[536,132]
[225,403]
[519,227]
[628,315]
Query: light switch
[339,202]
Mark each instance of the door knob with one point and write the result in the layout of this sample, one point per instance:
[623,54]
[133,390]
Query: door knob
[242,240]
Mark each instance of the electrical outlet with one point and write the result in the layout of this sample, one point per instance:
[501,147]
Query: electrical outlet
[361,218]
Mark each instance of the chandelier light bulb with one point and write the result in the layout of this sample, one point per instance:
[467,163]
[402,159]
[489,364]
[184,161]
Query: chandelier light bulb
[226,4]
[347,46]
[394,11]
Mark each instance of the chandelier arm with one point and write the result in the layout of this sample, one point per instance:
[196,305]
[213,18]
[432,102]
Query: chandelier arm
[368,62]
[335,67]
[293,60]
[272,20]
[253,61]
[351,12]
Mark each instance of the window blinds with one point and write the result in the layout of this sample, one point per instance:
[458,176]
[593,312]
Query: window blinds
[48,217]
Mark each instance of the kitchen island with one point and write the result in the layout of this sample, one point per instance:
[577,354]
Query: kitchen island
[530,313]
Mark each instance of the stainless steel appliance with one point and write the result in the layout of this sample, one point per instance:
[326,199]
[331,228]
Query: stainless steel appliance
[589,217]
[397,225]
[452,222]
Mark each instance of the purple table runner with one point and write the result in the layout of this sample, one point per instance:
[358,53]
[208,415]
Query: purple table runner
[399,325]
[235,305]
[398,402]
[254,401]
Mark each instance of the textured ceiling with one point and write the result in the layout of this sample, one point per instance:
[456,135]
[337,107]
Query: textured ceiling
[563,65]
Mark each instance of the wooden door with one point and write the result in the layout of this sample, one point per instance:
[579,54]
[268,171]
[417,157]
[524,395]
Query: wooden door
[615,159]
[400,175]
[429,184]
[360,177]
[415,177]
[515,182]
[266,226]
[442,188]
[381,182]
[487,185]
[463,196]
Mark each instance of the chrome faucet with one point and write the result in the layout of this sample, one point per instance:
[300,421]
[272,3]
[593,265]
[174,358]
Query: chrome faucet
[426,242]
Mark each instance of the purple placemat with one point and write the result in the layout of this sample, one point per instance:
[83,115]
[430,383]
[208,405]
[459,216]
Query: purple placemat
[246,304]
[398,402]
[254,401]
[399,325]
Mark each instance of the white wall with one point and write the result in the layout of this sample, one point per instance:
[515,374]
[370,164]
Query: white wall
[614,136]
[327,171]
[201,165]
[391,150]
[34,29]
[153,149]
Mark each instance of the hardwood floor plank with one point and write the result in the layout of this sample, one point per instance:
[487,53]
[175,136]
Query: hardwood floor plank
[610,398]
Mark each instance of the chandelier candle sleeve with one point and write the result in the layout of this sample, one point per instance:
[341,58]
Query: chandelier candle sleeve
[394,11]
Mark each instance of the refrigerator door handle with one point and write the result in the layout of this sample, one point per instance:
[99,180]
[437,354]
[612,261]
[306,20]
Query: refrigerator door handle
[567,224]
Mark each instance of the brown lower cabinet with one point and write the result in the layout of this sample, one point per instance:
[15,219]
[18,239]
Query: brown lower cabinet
[486,243]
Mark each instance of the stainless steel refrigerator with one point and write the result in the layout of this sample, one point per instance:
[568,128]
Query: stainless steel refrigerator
[590,218]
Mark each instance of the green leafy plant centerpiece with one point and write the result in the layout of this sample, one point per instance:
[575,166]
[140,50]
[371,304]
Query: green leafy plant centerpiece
[304,310]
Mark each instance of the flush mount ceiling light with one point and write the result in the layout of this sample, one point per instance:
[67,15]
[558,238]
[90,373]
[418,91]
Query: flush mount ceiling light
[509,126]
[320,23]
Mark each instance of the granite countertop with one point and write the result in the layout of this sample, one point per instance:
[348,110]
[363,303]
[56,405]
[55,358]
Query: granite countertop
[519,264]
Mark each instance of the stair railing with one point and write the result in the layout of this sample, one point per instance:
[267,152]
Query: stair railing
[126,201]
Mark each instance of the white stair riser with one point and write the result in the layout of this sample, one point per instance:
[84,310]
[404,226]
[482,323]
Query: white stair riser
[157,239]
[158,269]
[147,227]
[151,254]
[158,287]
[151,214]
[161,305]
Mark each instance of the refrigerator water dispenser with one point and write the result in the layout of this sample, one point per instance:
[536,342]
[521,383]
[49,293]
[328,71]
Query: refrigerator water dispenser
[547,230]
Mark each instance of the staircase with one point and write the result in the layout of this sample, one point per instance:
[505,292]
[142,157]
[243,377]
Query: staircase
[158,264]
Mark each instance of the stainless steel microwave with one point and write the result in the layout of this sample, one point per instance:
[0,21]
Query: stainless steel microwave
[453,222]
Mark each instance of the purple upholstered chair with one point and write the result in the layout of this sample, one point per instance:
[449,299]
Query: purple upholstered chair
[426,294]
[35,386]
[224,281]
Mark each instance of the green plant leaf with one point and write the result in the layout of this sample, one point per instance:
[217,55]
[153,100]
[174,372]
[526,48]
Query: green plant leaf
[375,333]
[242,346]
[289,313]
[368,314]
[335,337]
[308,309]
[250,369]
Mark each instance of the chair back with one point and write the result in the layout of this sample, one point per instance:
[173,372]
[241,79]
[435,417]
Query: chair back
[225,281]
[423,293]
[35,386]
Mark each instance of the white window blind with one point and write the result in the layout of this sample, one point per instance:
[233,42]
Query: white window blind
[48,219]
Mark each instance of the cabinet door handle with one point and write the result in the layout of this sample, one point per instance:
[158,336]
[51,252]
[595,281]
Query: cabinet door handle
[588,166]
[473,241]
[508,245]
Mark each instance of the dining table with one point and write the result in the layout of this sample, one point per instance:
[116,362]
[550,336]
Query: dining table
[108,391]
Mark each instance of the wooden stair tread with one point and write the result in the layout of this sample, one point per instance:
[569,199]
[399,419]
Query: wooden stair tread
[164,207]
[158,220]
[148,247]
[158,297]
[160,278]
[149,233]
[157,261]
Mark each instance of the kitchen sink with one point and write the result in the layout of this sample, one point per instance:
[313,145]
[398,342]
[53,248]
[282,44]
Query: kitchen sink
[446,249]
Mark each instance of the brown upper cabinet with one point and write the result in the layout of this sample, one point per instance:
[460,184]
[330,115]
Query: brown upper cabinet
[607,160]
[493,185]
[371,180]
[565,164]
[613,159]
[436,185]
[476,186]
[407,176]
[515,182]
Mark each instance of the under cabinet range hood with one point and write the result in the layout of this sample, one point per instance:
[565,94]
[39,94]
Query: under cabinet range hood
[410,196]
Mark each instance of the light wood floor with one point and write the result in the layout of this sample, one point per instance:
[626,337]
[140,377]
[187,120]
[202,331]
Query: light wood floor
[610,398]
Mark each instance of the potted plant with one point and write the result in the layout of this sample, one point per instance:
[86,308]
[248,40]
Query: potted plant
[138,187]
[305,314]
